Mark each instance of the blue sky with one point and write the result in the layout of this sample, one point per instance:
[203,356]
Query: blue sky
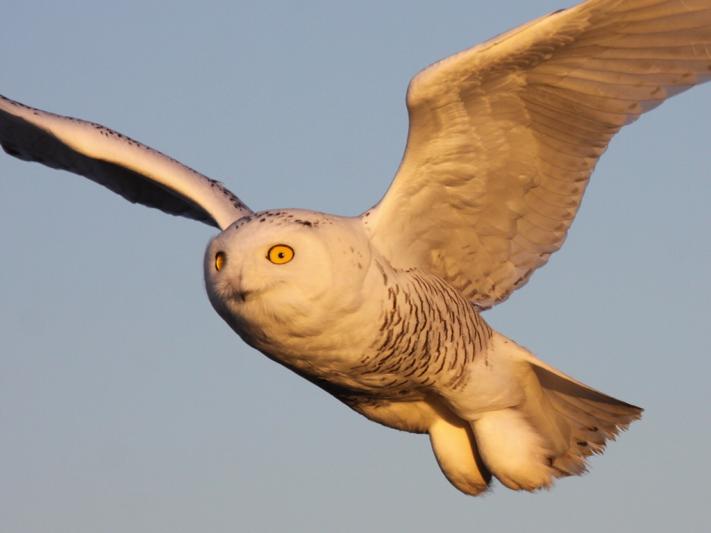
[128,405]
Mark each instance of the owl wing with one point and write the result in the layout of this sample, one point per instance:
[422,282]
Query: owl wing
[135,171]
[504,136]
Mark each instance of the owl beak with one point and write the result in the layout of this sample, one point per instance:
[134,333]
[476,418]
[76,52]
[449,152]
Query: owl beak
[240,289]
[242,294]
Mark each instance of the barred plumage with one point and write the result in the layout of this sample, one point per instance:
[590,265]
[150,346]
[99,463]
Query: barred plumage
[428,334]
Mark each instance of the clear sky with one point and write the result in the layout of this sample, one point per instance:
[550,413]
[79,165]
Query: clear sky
[126,404]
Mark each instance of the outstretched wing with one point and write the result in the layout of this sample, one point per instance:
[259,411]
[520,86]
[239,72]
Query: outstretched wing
[504,136]
[135,171]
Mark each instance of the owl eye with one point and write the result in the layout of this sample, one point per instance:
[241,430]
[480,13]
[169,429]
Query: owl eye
[220,260]
[280,254]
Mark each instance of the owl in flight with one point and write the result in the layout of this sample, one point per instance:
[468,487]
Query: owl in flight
[383,310]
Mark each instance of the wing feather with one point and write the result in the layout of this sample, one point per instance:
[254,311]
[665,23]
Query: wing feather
[504,136]
[135,171]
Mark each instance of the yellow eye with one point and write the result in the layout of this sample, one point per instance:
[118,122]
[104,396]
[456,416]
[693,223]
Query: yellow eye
[280,254]
[220,260]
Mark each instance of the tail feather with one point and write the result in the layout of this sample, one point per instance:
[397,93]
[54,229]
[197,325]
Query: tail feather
[592,417]
[552,422]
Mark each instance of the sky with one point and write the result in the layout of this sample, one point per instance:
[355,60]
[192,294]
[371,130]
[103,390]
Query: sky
[126,404]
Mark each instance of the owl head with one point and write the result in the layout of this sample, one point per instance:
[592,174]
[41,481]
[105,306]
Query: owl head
[289,274]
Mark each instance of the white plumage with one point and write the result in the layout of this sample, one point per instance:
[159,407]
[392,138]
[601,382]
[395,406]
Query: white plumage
[382,310]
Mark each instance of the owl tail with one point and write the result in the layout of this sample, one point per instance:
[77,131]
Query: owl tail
[555,426]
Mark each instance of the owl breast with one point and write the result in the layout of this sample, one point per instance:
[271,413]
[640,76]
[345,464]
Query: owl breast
[428,334]
[417,332]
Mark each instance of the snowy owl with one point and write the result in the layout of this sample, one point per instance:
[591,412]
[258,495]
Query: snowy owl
[383,310]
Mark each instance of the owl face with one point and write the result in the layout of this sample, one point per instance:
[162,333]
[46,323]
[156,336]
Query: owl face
[279,278]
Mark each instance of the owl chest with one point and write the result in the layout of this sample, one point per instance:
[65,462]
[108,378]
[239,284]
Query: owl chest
[324,347]
[428,334]
[421,332]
